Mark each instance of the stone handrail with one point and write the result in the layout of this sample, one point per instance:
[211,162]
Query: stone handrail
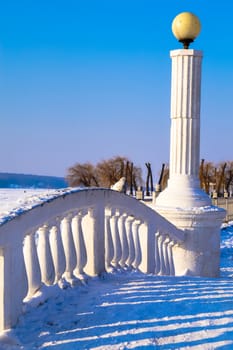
[78,234]
[225,203]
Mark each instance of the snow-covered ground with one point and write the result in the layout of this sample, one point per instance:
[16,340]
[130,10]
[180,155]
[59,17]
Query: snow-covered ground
[14,201]
[128,310]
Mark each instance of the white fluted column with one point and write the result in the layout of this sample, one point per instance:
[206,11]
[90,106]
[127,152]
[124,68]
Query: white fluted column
[183,186]
[185,112]
[183,202]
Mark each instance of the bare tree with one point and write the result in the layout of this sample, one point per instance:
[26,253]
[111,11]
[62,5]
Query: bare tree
[207,175]
[229,176]
[137,177]
[111,170]
[220,178]
[216,177]
[105,173]
[82,175]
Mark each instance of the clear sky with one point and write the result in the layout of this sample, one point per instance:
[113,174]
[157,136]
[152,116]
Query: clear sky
[85,80]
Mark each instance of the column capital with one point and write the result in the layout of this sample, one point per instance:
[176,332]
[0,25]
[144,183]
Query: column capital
[184,52]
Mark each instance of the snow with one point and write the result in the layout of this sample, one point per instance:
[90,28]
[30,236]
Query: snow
[14,202]
[127,309]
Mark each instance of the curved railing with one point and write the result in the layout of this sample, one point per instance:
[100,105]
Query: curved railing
[78,234]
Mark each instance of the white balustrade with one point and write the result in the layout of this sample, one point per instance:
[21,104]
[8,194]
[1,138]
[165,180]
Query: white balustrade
[80,234]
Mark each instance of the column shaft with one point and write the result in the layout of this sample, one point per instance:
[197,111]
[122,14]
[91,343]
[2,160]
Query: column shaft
[183,185]
[185,112]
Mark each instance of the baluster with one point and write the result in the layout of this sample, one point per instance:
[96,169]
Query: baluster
[81,253]
[166,258]
[109,250]
[170,258]
[57,250]
[157,257]
[13,283]
[128,227]
[138,254]
[93,226]
[160,249]
[123,239]
[147,247]
[45,256]
[31,264]
[116,239]
[69,249]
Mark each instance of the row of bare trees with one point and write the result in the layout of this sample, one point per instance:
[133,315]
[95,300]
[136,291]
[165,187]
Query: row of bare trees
[105,173]
[216,178]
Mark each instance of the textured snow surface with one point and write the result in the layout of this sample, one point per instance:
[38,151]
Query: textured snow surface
[13,202]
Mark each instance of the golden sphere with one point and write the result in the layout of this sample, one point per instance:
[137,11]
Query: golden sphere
[186,26]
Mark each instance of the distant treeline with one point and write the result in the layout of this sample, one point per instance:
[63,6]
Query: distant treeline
[9,180]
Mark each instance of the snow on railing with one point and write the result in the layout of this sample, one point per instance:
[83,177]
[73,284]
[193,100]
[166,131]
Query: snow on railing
[78,234]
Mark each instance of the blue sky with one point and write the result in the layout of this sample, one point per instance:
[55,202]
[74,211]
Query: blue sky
[86,80]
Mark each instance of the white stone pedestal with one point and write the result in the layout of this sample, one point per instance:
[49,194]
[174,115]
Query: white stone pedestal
[199,254]
[183,202]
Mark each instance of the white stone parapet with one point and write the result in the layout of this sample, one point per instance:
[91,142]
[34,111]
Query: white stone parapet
[77,235]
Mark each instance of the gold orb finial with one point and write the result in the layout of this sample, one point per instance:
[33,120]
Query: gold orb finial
[186,27]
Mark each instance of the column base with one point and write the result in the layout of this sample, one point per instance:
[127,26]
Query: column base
[199,254]
[183,192]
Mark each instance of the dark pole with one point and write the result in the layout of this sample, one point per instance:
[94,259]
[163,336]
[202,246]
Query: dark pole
[151,181]
[126,176]
[161,174]
[147,179]
[131,179]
